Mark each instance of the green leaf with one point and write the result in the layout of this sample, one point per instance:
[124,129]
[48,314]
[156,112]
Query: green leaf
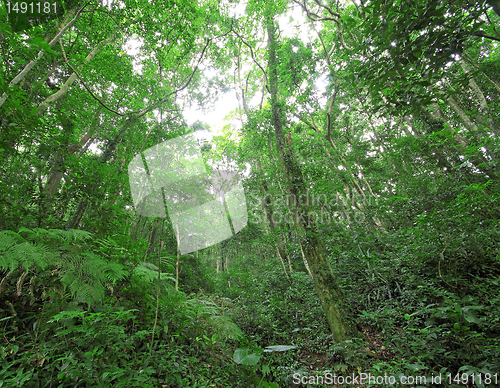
[417,367]
[471,318]
[242,356]
[279,348]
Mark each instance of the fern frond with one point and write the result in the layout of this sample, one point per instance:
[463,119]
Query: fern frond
[145,273]
[224,327]
[114,272]
[84,274]
[8,263]
[71,235]
[15,251]
[25,230]
[80,235]
[149,272]
[107,243]
[87,274]
[8,239]
[168,262]
[204,308]
[40,233]
[149,265]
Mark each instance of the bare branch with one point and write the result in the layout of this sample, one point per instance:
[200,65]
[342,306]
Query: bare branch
[313,16]
[146,110]
[329,111]
[253,57]
[332,12]
[486,36]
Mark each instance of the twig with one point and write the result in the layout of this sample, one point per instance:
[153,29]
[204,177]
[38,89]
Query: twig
[157,288]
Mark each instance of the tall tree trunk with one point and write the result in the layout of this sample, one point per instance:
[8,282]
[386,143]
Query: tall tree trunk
[57,172]
[268,210]
[495,83]
[324,280]
[178,263]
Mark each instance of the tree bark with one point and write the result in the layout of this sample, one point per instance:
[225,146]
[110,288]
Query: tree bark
[72,78]
[268,210]
[495,83]
[57,173]
[30,65]
[324,279]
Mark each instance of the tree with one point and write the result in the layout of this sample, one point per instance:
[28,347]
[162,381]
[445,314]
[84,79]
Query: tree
[311,244]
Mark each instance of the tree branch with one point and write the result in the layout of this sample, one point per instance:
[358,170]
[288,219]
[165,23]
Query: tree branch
[85,85]
[315,17]
[146,110]
[309,124]
[486,36]
[253,57]
[329,111]
[63,90]
[30,65]
[332,12]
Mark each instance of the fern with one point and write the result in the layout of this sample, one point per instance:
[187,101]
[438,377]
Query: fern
[81,271]
[112,250]
[222,325]
[54,236]
[87,274]
[15,251]
[149,272]
[225,327]
[168,262]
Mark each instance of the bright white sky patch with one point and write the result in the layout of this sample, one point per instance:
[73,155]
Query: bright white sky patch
[237,10]
[292,24]
[321,83]
[133,47]
[108,3]
[215,117]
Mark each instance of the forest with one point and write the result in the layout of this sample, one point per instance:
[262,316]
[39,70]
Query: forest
[250,193]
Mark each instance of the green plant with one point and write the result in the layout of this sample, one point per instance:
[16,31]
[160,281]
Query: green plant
[39,253]
[250,357]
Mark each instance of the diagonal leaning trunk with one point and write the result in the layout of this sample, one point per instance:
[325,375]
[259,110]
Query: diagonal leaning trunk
[311,244]
[65,26]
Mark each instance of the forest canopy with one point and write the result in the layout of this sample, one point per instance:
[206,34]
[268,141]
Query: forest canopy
[342,218]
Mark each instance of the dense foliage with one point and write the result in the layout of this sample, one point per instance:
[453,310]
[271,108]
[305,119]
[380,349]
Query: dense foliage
[367,141]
